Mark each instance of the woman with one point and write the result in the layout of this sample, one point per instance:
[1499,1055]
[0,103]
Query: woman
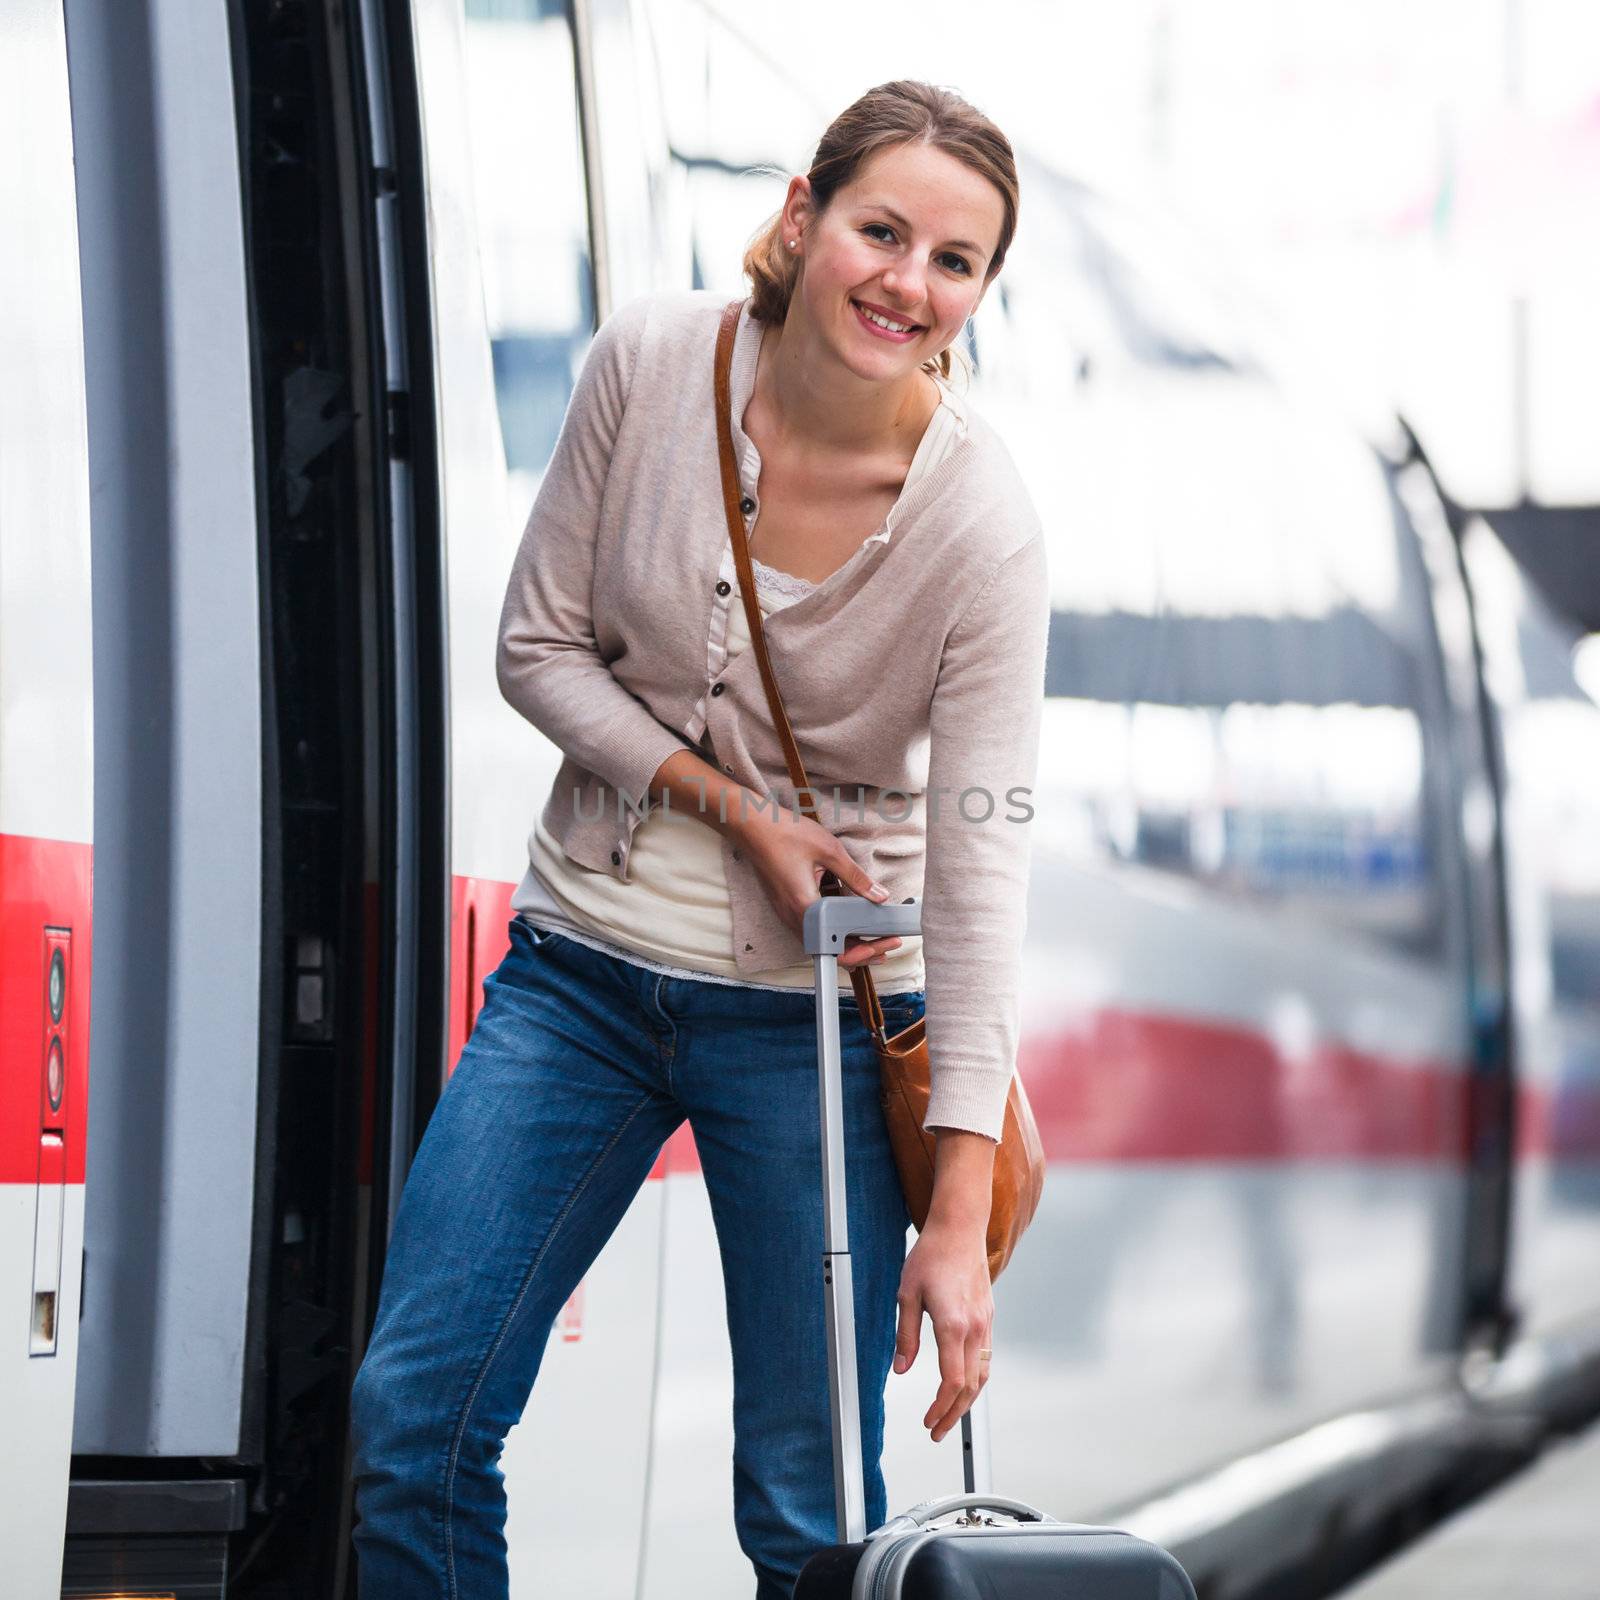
[656,971]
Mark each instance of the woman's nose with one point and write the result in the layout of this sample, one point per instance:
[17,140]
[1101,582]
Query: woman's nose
[906,281]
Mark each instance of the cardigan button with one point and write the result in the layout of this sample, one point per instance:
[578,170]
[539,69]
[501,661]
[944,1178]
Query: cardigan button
[747,505]
[717,688]
[616,858]
[723,586]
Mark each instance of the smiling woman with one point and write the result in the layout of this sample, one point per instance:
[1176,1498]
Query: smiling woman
[912,193]
[906,605]
[865,281]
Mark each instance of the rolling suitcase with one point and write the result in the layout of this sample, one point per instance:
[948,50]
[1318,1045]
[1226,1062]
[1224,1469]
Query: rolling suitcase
[977,1545]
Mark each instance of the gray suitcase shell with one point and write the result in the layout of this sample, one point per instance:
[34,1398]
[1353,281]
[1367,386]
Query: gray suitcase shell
[988,1549]
[964,1547]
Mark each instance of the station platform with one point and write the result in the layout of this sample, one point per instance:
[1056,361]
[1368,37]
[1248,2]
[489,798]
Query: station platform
[1536,1537]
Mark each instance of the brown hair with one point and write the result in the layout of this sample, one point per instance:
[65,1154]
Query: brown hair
[893,114]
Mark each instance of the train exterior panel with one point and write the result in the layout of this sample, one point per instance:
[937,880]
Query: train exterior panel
[46,796]
[173,1158]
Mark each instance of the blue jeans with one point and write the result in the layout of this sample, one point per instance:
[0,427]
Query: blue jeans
[579,1067]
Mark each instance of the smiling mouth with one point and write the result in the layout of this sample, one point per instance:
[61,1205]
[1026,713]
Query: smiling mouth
[889,327]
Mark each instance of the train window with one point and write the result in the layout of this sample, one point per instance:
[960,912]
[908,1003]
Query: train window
[1243,680]
[739,120]
[1101,300]
[646,214]
[532,220]
[1163,290]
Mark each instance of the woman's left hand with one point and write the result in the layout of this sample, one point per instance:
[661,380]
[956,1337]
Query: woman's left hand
[947,1275]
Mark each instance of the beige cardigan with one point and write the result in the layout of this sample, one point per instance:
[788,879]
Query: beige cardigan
[676,916]
[913,676]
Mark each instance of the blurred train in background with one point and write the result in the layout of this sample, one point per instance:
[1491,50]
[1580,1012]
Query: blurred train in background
[1312,1013]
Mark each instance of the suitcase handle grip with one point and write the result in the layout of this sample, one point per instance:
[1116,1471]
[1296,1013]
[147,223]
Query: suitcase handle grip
[931,1510]
[828,920]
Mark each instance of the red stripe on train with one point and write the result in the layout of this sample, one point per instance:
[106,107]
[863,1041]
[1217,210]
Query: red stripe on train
[1131,1087]
[46,897]
[1136,1086]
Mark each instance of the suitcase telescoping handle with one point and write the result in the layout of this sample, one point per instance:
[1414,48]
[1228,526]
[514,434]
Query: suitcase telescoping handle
[828,922]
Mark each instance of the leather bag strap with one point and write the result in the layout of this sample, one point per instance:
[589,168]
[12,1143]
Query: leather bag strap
[722,392]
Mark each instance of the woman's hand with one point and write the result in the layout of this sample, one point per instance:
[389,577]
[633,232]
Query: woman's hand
[947,1275]
[790,852]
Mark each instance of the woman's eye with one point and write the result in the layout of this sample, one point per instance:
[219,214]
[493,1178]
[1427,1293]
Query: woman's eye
[957,264]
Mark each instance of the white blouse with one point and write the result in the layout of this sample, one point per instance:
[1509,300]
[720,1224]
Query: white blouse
[674,916]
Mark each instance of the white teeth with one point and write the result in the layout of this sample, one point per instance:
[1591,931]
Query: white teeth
[884,322]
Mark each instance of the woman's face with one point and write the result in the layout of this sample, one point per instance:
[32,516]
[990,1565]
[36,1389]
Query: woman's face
[910,240]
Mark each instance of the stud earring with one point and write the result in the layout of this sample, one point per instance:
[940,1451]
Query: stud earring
[794,244]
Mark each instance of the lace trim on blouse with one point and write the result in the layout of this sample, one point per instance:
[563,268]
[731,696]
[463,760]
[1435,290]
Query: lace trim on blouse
[784,584]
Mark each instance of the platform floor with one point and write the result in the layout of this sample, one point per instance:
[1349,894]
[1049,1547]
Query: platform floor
[1536,1537]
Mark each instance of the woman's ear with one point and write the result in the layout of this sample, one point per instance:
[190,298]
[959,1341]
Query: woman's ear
[797,208]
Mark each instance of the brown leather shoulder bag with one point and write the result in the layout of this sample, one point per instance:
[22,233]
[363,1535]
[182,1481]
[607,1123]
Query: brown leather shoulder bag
[903,1058]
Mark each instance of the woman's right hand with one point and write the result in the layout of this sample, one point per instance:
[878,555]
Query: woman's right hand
[790,852]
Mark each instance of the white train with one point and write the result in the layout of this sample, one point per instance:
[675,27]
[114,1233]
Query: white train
[293,296]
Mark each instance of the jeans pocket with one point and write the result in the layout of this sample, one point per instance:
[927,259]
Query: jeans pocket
[528,954]
[533,937]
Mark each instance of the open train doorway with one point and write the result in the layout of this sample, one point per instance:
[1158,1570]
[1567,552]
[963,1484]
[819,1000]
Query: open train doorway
[273,889]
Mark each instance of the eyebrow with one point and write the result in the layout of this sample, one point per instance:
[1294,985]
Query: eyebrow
[889,211]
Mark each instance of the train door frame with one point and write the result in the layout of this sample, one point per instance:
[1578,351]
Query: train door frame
[390,897]
[346,1007]
[1488,1319]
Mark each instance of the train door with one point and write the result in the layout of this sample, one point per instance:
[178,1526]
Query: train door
[520,268]
[46,776]
[269,843]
